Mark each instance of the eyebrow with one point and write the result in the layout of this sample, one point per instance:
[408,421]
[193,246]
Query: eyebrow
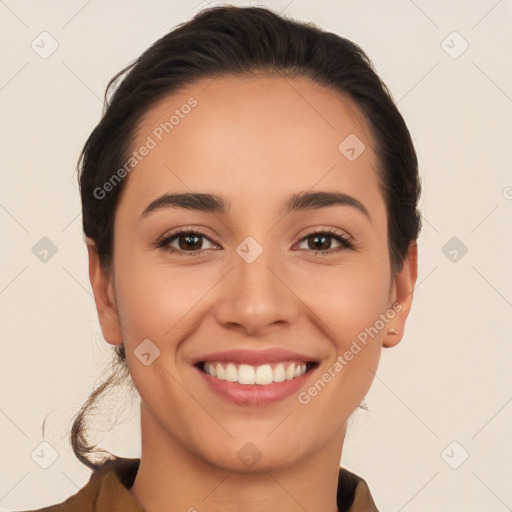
[212,203]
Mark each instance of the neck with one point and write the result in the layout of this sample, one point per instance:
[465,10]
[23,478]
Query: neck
[171,477]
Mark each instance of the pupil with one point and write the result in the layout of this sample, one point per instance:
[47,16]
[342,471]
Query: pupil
[323,238]
[188,238]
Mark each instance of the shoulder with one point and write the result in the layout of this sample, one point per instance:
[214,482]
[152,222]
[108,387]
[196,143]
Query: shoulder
[106,491]
[353,493]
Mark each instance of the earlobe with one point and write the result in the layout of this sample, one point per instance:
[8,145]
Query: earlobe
[402,291]
[103,289]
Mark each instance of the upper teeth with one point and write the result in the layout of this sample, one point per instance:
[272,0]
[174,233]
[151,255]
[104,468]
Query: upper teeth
[247,374]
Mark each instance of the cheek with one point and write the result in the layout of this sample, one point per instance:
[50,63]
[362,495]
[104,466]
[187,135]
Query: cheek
[348,305]
[156,304]
[163,303]
[157,299]
[347,298]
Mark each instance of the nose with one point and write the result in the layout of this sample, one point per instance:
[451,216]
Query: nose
[255,296]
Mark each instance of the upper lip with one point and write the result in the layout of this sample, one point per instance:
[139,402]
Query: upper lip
[254,357]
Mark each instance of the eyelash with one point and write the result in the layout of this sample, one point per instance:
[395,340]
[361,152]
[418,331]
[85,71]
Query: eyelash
[346,242]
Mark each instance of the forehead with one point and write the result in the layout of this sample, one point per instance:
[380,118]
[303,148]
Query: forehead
[256,136]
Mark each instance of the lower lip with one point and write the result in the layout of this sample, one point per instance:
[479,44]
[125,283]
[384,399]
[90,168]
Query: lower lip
[254,394]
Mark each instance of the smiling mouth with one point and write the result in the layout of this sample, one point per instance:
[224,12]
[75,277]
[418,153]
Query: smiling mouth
[262,375]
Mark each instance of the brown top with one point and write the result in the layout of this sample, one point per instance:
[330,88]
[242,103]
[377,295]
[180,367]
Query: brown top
[108,491]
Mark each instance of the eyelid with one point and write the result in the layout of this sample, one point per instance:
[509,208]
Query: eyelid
[330,230]
[198,230]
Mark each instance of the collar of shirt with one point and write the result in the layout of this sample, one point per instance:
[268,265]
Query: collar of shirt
[108,491]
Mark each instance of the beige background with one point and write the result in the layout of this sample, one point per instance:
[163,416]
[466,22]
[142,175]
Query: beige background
[449,380]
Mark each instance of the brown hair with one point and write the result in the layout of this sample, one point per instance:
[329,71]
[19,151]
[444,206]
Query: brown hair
[238,40]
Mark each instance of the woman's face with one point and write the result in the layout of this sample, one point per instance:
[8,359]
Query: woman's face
[249,278]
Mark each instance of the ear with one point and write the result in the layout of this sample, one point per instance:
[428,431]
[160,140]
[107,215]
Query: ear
[402,291]
[103,288]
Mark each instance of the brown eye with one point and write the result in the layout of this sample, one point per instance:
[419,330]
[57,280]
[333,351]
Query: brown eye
[189,241]
[185,242]
[320,242]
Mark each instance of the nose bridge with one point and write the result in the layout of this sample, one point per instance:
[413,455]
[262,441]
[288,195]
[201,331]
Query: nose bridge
[254,268]
[256,295]
[255,274]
